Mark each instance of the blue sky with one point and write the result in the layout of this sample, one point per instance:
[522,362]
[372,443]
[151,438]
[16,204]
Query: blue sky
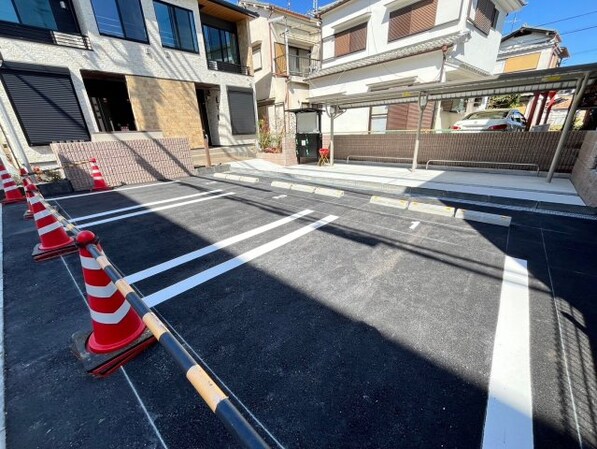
[581,44]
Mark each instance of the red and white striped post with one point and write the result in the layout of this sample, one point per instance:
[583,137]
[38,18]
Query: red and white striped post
[28,215]
[12,194]
[115,324]
[54,241]
[99,182]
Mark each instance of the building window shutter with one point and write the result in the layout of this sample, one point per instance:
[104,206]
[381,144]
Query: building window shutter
[406,116]
[242,111]
[342,43]
[358,38]
[352,40]
[45,103]
[280,58]
[412,19]
[484,15]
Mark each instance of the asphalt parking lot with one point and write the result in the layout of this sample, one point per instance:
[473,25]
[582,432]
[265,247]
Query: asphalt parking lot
[330,323]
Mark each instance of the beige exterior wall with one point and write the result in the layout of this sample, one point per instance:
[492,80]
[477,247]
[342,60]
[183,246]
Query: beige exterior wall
[166,105]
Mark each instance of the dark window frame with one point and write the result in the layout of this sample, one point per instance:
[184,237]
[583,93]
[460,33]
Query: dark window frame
[48,71]
[124,38]
[70,8]
[172,7]
[492,20]
[246,91]
[220,29]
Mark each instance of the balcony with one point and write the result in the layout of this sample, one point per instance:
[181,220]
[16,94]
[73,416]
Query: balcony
[300,66]
[44,36]
[229,67]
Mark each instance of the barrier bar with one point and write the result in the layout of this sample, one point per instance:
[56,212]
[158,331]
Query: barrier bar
[209,391]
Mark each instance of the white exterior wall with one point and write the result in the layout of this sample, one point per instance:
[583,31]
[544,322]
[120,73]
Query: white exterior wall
[122,57]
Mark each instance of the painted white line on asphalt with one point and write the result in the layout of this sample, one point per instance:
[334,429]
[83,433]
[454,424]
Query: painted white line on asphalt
[2,411]
[279,197]
[147,415]
[509,417]
[153,209]
[139,206]
[79,195]
[151,271]
[180,287]
[414,225]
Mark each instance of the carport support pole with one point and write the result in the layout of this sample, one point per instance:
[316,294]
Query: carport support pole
[332,136]
[580,90]
[418,136]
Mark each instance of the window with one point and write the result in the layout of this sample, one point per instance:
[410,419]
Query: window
[299,61]
[412,19]
[110,102]
[120,18]
[351,40]
[220,41]
[45,103]
[378,119]
[46,14]
[485,16]
[257,58]
[177,27]
[242,110]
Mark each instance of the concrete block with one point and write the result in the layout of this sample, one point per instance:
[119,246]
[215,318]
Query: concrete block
[434,209]
[389,202]
[302,188]
[329,192]
[281,185]
[233,177]
[483,217]
[249,179]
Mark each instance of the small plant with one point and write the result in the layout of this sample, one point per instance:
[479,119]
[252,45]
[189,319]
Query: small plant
[50,175]
[269,142]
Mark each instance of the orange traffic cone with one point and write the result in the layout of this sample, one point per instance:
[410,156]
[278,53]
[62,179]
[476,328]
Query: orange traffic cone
[54,241]
[12,194]
[98,180]
[118,332]
[28,215]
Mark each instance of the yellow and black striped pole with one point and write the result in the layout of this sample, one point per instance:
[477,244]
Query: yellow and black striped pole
[209,391]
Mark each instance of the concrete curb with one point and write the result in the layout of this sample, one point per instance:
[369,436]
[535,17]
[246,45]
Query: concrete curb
[309,189]
[389,202]
[231,177]
[483,217]
[434,209]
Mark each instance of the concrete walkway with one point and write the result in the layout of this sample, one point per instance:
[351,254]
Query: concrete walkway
[520,187]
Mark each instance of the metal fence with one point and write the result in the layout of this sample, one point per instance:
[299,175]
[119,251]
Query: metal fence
[515,148]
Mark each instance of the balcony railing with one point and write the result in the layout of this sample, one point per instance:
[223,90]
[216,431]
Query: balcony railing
[34,34]
[228,67]
[300,66]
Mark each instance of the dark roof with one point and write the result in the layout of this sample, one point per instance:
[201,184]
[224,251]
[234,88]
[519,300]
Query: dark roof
[524,31]
[234,7]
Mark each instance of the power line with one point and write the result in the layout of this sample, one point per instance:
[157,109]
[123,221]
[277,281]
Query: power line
[579,30]
[567,18]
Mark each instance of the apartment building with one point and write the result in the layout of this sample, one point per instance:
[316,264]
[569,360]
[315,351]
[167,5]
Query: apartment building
[372,46]
[124,69]
[286,48]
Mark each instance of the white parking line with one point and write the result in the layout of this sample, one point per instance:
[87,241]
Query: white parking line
[149,211]
[509,417]
[2,412]
[180,287]
[79,195]
[139,206]
[414,225]
[159,268]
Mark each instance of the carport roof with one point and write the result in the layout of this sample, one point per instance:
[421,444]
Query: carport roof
[531,81]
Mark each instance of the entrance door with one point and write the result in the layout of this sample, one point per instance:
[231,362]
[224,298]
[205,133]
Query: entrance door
[203,113]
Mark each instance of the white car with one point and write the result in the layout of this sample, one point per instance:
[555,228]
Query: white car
[492,120]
